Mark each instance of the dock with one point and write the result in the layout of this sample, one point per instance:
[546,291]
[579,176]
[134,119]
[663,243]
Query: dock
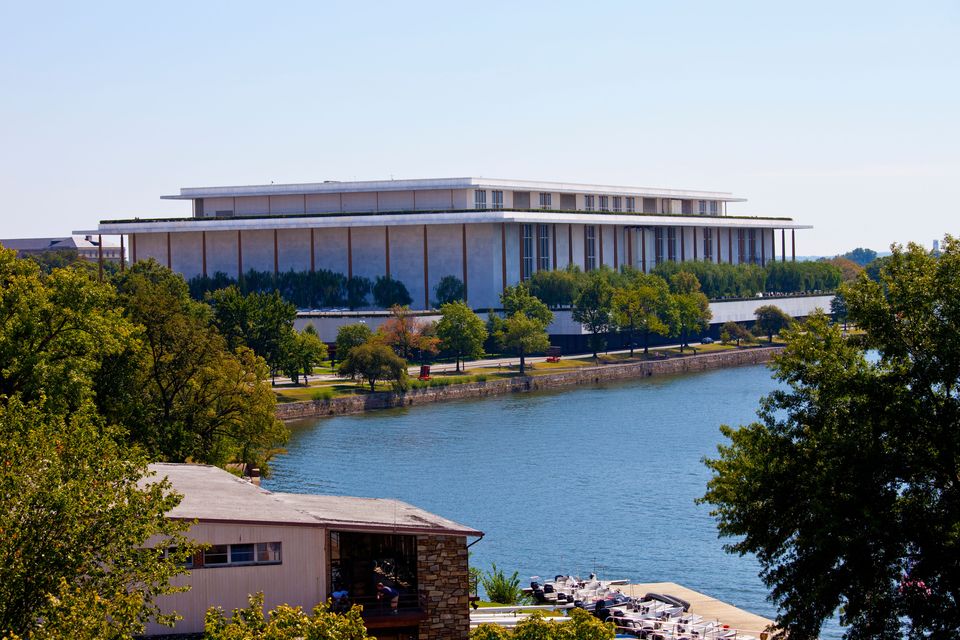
[704,605]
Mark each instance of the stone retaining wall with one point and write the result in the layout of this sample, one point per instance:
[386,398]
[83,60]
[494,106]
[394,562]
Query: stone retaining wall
[580,376]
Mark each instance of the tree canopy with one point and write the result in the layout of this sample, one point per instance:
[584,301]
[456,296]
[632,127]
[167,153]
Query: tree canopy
[374,361]
[461,331]
[76,515]
[593,308]
[284,623]
[771,320]
[846,489]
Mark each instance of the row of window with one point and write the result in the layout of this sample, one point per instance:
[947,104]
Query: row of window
[236,555]
[535,246]
[616,204]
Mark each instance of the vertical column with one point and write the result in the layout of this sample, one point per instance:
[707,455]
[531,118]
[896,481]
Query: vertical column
[169,253]
[349,252]
[616,260]
[719,260]
[123,255]
[239,256]
[133,249]
[276,255]
[730,245]
[503,255]
[783,245]
[203,251]
[536,251]
[386,239]
[313,248]
[520,248]
[793,245]
[629,231]
[763,249]
[600,241]
[100,257]
[569,244]
[426,270]
[683,245]
[643,248]
[464,234]
[553,231]
[694,244]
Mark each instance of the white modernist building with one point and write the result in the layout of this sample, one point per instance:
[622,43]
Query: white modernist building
[489,233]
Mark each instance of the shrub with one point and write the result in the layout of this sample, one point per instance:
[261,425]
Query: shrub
[502,589]
[322,395]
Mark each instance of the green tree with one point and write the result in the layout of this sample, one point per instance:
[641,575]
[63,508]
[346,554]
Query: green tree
[838,308]
[350,336]
[555,288]
[407,334]
[846,488]
[734,331]
[518,299]
[593,307]
[197,399]
[771,319]
[657,311]
[284,623]
[449,289]
[461,331]
[374,361]
[523,335]
[388,292]
[861,256]
[261,321]
[849,269]
[74,517]
[305,352]
[691,306]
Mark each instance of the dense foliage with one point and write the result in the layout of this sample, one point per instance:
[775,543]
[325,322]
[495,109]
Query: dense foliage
[284,623]
[449,289]
[388,292]
[501,588]
[374,361]
[74,516]
[320,289]
[461,332]
[847,489]
[580,626]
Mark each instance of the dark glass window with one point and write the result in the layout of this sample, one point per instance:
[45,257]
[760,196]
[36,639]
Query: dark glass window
[241,553]
[216,554]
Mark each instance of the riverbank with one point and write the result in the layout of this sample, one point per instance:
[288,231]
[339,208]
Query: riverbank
[524,384]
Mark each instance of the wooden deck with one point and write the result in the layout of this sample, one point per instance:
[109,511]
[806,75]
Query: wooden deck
[704,605]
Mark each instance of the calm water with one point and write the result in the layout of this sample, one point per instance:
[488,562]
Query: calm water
[591,479]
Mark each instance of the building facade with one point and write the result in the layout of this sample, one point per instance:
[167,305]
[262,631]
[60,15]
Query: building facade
[299,549]
[488,233]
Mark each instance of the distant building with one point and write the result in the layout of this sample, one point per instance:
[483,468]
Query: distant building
[298,549]
[88,247]
[489,233]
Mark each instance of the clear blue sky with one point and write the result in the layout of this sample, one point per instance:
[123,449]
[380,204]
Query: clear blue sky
[840,114]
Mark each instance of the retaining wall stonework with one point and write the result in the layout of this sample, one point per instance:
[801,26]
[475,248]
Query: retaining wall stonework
[580,376]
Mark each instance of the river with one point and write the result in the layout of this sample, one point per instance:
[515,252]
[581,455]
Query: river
[593,479]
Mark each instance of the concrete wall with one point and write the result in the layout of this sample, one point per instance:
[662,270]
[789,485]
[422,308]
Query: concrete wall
[299,580]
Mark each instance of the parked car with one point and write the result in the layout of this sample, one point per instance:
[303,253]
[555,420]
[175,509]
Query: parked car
[707,340]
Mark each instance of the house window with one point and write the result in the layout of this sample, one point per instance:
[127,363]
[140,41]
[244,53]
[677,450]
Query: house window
[543,240]
[497,199]
[707,243]
[672,244]
[702,207]
[604,203]
[714,207]
[226,555]
[657,245]
[546,200]
[588,203]
[617,204]
[526,251]
[631,204]
[480,199]
[590,247]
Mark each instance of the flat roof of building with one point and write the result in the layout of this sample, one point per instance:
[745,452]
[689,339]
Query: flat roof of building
[58,243]
[211,494]
[335,186]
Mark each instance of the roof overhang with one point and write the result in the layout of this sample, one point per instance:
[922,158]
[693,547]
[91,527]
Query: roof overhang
[311,188]
[179,225]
